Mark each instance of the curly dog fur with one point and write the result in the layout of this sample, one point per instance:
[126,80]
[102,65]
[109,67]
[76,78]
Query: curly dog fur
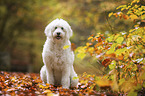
[58,62]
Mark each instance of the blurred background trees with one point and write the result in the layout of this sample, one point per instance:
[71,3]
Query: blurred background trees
[22,23]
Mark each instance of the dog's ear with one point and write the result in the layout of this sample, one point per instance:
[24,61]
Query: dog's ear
[49,28]
[47,31]
[70,32]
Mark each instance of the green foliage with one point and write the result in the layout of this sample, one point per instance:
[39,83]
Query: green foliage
[123,53]
[134,11]
[112,65]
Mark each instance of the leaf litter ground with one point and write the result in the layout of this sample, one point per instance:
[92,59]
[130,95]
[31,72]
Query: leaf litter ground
[30,84]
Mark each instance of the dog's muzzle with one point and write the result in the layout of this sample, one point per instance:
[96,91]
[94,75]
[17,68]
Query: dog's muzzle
[58,36]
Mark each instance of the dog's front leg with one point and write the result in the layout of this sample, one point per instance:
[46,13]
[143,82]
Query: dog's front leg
[50,77]
[65,78]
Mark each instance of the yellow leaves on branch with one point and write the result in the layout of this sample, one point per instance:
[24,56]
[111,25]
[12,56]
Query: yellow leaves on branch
[119,40]
[133,11]
[117,47]
[135,1]
[125,16]
[91,37]
[122,52]
[110,14]
[119,14]
[88,44]
[133,17]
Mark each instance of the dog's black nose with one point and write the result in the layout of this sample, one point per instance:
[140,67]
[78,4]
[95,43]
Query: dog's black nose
[58,33]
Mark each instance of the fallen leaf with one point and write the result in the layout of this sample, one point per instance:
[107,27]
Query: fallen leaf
[106,62]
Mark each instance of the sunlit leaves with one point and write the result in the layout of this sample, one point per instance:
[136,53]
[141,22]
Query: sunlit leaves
[122,53]
[112,65]
[110,38]
[66,47]
[112,49]
[119,40]
[122,6]
[133,11]
[90,38]
[110,14]
[133,17]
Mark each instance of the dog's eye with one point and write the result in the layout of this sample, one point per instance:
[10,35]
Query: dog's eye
[55,27]
[62,28]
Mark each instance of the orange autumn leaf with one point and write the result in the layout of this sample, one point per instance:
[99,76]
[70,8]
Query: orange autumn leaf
[120,16]
[125,16]
[106,62]
[115,14]
[120,57]
[88,44]
[94,39]
[111,55]
[73,46]
[92,35]
[98,44]
[99,39]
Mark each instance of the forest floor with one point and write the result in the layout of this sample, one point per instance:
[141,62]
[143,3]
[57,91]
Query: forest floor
[30,84]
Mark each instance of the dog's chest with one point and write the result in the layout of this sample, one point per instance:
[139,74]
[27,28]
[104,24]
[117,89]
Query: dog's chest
[55,56]
[59,59]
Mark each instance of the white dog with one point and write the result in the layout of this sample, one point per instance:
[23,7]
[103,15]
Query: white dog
[58,61]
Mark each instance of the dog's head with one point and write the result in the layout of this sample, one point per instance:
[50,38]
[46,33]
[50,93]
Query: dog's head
[58,30]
